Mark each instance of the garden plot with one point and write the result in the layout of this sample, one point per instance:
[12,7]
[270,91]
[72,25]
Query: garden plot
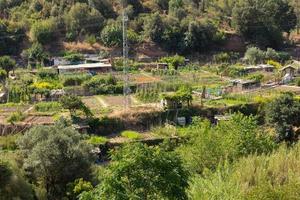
[38,120]
[143,78]
[6,109]
[114,100]
[101,104]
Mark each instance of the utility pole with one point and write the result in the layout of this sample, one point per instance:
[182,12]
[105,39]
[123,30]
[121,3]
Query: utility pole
[126,88]
[298,15]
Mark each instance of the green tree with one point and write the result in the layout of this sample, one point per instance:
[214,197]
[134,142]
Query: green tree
[104,7]
[11,37]
[43,31]
[262,22]
[173,61]
[74,103]
[254,56]
[111,35]
[81,17]
[173,35]
[141,172]
[7,63]
[35,53]
[199,36]
[176,9]
[284,114]
[154,27]
[54,156]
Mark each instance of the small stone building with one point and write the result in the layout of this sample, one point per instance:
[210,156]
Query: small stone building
[289,69]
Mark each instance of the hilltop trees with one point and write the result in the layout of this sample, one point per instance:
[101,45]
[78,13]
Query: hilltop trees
[153,27]
[111,35]
[11,37]
[81,17]
[263,22]
[43,31]
[54,156]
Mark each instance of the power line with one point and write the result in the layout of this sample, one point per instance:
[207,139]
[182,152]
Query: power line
[126,88]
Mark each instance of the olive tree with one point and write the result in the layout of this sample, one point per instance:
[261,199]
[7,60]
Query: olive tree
[54,156]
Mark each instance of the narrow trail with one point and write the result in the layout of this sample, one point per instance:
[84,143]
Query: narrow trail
[102,101]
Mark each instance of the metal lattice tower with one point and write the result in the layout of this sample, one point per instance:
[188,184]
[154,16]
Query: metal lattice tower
[126,88]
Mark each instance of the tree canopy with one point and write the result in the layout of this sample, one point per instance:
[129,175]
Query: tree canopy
[54,156]
[138,171]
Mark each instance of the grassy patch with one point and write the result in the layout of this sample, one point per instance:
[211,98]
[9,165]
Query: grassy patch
[133,135]
[47,107]
[97,140]
[8,142]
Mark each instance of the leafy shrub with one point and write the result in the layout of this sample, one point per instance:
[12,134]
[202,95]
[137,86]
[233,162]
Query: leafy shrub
[298,82]
[211,145]
[8,142]
[232,70]
[73,56]
[133,37]
[271,176]
[132,65]
[284,56]
[274,63]
[47,106]
[91,39]
[74,103]
[256,77]
[105,125]
[46,85]
[103,85]
[173,61]
[131,135]
[48,74]
[74,80]
[77,187]
[222,57]
[111,35]
[16,117]
[164,72]
[254,55]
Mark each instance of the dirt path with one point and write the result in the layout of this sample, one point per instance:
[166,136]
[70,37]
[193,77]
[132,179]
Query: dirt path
[101,101]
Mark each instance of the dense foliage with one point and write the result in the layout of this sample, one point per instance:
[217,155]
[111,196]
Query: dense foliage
[138,171]
[54,156]
[175,25]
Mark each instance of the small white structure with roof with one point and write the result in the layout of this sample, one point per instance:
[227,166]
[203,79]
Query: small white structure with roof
[87,67]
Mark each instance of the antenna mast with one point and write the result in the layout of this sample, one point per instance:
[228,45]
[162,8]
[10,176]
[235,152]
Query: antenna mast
[126,88]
